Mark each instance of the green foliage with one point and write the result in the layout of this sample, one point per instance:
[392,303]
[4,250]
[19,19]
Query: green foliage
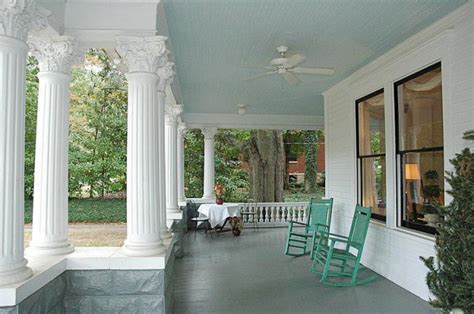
[299,195]
[193,163]
[98,136]
[451,276]
[98,123]
[228,161]
[228,164]
[295,143]
[98,127]
[30,123]
[310,157]
[90,210]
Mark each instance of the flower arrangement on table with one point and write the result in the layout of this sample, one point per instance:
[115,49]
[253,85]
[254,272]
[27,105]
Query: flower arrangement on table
[219,191]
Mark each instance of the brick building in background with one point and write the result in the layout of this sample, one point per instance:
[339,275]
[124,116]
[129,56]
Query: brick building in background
[296,167]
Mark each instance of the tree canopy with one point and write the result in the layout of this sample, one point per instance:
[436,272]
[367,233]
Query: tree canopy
[249,163]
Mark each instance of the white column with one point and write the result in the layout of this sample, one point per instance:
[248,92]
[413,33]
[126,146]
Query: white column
[143,56]
[166,75]
[171,158]
[14,17]
[180,172]
[50,200]
[209,163]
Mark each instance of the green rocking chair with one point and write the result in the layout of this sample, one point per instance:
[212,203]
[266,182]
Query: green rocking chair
[342,264]
[318,219]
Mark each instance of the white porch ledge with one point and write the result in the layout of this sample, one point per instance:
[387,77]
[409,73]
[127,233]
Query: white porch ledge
[46,268]
[175,216]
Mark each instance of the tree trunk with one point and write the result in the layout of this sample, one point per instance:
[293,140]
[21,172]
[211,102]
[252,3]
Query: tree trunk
[266,161]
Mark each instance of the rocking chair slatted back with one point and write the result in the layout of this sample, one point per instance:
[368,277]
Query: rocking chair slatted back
[359,227]
[319,212]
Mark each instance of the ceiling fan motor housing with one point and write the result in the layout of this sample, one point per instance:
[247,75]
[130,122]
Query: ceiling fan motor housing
[278,61]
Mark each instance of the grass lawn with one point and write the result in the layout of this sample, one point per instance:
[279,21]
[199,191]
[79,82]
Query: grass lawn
[299,195]
[90,210]
[109,210]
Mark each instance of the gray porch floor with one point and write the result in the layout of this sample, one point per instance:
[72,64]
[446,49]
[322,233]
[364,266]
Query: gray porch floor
[250,274]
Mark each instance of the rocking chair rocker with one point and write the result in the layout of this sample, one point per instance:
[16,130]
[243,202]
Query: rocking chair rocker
[318,219]
[328,258]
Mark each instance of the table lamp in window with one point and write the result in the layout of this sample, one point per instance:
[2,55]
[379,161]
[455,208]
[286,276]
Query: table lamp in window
[412,176]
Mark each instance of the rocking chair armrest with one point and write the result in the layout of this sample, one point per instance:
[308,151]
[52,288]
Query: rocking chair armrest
[334,240]
[334,236]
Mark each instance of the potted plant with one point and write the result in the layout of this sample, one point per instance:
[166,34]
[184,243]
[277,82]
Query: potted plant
[219,191]
[236,225]
[430,212]
[431,192]
[450,276]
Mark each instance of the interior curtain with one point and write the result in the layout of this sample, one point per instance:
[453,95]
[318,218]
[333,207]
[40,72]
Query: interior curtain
[432,83]
[368,171]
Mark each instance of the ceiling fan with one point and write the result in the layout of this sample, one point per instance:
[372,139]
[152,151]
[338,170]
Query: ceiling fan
[288,66]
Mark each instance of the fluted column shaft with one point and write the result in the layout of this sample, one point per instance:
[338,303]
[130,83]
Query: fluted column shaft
[165,234]
[143,221]
[180,171]
[143,55]
[13,53]
[209,163]
[171,159]
[50,199]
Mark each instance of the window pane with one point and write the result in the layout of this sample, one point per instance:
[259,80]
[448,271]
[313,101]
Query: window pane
[373,189]
[420,111]
[423,188]
[371,125]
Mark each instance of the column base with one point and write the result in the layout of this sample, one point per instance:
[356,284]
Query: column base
[131,248]
[49,248]
[15,274]
[165,234]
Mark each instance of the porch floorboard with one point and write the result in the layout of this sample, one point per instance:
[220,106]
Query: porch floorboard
[250,274]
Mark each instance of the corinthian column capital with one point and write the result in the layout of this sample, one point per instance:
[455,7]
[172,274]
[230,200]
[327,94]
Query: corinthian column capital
[173,112]
[166,75]
[209,132]
[143,54]
[182,127]
[56,54]
[16,18]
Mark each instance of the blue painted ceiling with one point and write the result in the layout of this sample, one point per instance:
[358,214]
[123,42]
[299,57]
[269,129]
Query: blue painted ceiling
[212,39]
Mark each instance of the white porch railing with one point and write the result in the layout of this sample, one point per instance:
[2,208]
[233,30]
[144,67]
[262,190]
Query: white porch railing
[275,214]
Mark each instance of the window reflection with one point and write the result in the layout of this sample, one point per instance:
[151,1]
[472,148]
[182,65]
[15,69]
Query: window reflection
[371,153]
[420,148]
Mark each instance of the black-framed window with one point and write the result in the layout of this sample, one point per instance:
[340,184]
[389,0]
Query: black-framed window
[419,145]
[370,124]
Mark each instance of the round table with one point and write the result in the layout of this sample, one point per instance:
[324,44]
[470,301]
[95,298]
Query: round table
[218,214]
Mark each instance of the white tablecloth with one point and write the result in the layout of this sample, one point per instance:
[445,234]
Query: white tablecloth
[217,214]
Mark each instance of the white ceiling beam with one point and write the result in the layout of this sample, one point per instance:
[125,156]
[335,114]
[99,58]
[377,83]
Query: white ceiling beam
[253,121]
[97,23]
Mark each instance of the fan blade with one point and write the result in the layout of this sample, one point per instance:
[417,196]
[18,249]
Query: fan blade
[259,76]
[294,60]
[291,78]
[316,71]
